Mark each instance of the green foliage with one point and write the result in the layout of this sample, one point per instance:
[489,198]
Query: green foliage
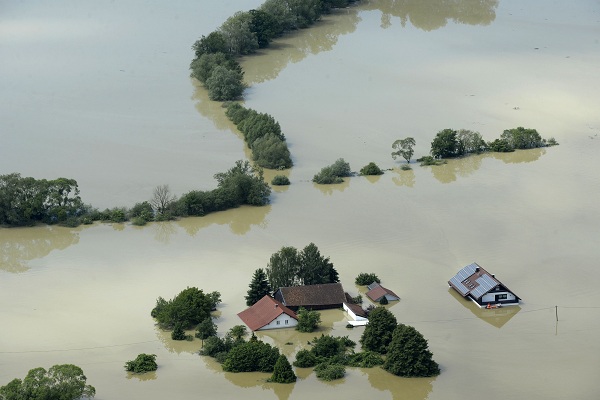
[445,144]
[282,372]
[371,169]
[190,307]
[383,301]
[206,329]
[289,267]
[250,356]
[408,354]
[203,66]
[308,321]
[333,173]
[236,31]
[238,332]
[60,382]
[365,359]
[305,359]
[270,151]
[213,43]
[522,138]
[241,184]
[27,201]
[178,332]
[428,160]
[214,346]
[364,279]
[552,142]
[280,180]
[378,332]
[469,142]
[265,26]
[329,372]
[500,146]
[225,84]
[142,363]
[357,300]
[326,346]
[404,148]
[259,287]
[118,215]
[406,167]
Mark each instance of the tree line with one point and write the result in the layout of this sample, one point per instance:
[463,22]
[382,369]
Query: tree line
[28,201]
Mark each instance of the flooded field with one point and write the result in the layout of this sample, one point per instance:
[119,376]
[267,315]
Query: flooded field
[101,93]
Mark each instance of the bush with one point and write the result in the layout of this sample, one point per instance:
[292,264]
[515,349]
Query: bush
[552,142]
[305,359]
[500,146]
[308,321]
[280,180]
[364,279]
[428,160]
[142,363]
[357,300]
[365,359]
[206,329]
[190,307]
[178,332]
[225,84]
[371,169]
[330,372]
[405,167]
[138,221]
[282,372]
[251,356]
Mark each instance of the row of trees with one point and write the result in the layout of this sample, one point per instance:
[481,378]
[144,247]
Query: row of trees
[27,201]
[262,135]
[243,33]
[449,143]
[406,349]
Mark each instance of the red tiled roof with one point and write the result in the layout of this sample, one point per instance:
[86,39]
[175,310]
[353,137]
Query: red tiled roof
[379,291]
[263,312]
[313,295]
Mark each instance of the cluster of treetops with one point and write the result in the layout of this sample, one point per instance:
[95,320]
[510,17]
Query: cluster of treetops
[215,66]
[28,201]
[398,348]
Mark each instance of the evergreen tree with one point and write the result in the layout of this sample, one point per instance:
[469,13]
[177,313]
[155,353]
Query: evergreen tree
[283,373]
[259,287]
[408,354]
[378,332]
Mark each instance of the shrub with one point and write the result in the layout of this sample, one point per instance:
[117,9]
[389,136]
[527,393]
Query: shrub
[428,160]
[178,332]
[225,84]
[333,173]
[250,356]
[330,372]
[358,299]
[282,372]
[190,307]
[405,167]
[138,221]
[305,359]
[365,359]
[364,279]
[500,146]
[206,329]
[280,180]
[371,169]
[308,321]
[551,142]
[142,363]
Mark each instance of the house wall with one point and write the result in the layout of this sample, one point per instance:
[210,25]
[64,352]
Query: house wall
[352,315]
[491,297]
[283,321]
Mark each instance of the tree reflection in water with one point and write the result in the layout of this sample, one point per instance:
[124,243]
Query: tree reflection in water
[404,178]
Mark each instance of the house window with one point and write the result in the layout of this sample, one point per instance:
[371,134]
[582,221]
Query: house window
[503,296]
[286,321]
[278,322]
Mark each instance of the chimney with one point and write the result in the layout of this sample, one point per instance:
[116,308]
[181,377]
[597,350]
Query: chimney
[493,275]
[276,305]
[476,269]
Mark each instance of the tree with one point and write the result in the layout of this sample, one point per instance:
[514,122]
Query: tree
[408,354]
[371,169]
[238,332]
[314,268]
[500,146]
[469,142]
[206,329]
[190,307]
[60,382]
[445,144]
[333,173]
[364,279]
[404,148]
[203,67]
[378,332]
[259,287]
[243,184]
[142,363]
[178,333]
[225,84]
[522,138]
[330,371]
[251,356]
[238,35]
[283,267]
[305,359]
[280,180]
[282,372]
[265,26]
[308,321]
[162,199]
[213,43]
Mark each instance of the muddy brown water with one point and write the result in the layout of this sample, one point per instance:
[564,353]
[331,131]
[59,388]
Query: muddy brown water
[100,93]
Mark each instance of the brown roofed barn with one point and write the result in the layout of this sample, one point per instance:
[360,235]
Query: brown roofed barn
[313,297]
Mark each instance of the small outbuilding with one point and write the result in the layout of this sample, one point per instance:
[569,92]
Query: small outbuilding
[312,297]
[483,288]
[355,311]
[268,313]
[377,292]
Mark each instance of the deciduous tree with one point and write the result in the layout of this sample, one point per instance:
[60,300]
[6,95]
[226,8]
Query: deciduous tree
[445,144]
[408,354]
[404,148]
[378,332]
[308,321]
[282,269]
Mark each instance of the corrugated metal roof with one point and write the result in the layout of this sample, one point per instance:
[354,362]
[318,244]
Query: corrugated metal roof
[486,283]
[457,280]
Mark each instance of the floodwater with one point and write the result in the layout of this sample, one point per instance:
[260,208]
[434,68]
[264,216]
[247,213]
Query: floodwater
[100,93]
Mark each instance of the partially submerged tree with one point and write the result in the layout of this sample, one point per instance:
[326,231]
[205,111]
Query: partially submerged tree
[282,269]
[282,372]
[408,354]
[259,287]
[308,321]
[60,382]
[142,363]
[162,199]
[364,279]
[445,144]
[378,332]
[190,307]
[404,148]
